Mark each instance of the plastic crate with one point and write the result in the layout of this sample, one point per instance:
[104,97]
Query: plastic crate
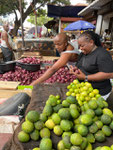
[29,67]
[7,66]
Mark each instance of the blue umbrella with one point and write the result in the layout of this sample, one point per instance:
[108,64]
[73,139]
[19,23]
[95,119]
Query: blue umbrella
[79,25]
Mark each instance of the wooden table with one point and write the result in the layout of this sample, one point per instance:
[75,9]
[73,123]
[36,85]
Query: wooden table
[9,88]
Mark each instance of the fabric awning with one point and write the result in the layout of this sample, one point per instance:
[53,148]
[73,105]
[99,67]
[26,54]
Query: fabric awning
[64,11]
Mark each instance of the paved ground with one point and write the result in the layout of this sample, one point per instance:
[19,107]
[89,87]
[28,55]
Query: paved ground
[7,126]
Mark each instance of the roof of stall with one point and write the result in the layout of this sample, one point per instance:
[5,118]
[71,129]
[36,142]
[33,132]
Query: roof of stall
[95,5]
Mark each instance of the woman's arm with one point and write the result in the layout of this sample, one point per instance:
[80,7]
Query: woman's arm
[93,77]
[60,63]
[100,76]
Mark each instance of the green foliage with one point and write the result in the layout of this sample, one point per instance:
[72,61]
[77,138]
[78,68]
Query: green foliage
[11,7]
[7,6]
[40,20]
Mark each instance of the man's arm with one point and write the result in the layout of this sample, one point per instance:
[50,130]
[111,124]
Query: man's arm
[60,63]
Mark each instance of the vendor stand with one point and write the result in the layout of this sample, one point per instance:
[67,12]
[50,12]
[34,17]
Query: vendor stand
[40,94]
[39,43]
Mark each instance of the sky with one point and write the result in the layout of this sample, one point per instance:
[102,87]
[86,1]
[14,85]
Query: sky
[73,2]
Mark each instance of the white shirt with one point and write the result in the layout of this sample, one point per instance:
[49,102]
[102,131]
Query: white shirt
[3,42]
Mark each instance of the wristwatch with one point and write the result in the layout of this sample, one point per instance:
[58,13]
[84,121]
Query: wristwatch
[86,78]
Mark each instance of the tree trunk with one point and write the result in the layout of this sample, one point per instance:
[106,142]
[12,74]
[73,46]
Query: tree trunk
[17,25]
[24,16]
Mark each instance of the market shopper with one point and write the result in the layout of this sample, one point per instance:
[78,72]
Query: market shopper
[67,54]
[106,35]
[6,44]
[94,63]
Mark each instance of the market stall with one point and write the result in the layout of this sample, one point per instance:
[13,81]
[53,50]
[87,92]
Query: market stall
[28,69]
[40,43]
[40,95]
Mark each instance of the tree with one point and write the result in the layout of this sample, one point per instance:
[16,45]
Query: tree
[12,6]
[42,17]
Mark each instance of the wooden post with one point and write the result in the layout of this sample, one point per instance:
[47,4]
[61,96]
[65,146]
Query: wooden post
[36,26]
[20,4]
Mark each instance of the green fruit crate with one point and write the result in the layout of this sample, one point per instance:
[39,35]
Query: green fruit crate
[25,87]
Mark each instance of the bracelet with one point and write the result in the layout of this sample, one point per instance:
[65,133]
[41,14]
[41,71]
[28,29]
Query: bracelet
[86,78]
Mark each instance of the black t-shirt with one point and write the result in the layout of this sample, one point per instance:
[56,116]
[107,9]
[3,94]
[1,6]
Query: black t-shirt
[99,60]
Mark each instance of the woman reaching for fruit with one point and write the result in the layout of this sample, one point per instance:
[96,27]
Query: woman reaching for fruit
[94,63]
[67,52]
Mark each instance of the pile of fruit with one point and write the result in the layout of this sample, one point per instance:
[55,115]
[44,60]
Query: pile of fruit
[104,148]
[79,121]
[83,91]
[30,60]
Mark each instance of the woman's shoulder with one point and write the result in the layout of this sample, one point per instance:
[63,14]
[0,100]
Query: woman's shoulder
[102,52]
[69,47]
[101,49]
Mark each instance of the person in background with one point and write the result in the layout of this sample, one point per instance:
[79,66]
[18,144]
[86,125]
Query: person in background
[73,41]
[67,53]
[106,40]
[6,44]
[73,38]
[106,35]
[11,33]
[94,63]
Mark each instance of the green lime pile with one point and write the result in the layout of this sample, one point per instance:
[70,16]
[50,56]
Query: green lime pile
[28,127]
[104,148]
[81,119]
[83,92]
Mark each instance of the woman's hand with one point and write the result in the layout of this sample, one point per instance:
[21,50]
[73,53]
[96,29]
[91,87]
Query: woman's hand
[73,70]
[77,72]
[80,75]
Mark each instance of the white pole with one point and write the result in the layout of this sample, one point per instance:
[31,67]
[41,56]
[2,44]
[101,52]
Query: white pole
[98,24]
[59,25]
